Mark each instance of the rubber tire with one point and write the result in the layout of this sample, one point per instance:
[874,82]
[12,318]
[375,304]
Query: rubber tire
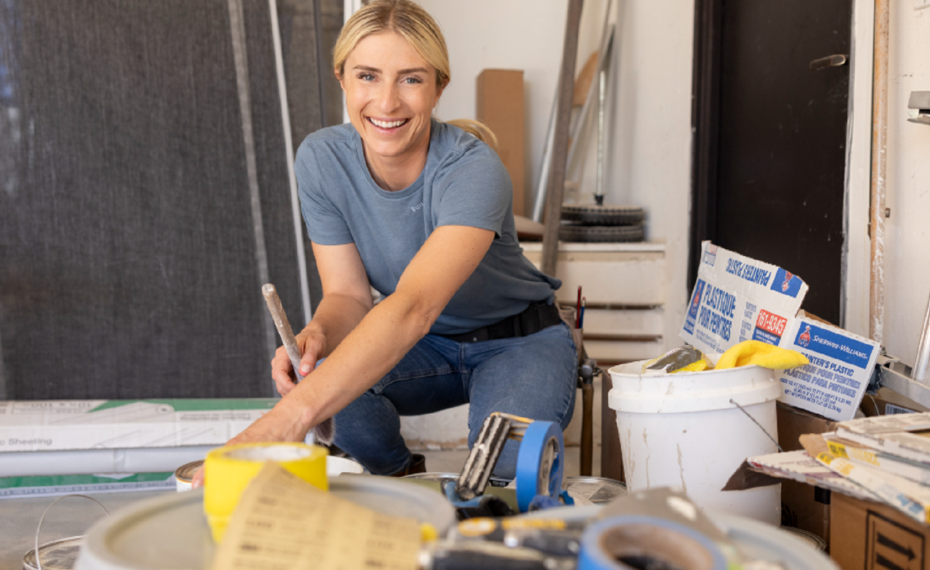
[601,234]
[594,215]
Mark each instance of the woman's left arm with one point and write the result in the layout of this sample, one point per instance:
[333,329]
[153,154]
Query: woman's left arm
[447,258]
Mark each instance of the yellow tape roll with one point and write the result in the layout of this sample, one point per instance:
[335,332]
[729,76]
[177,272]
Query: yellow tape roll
[228,470]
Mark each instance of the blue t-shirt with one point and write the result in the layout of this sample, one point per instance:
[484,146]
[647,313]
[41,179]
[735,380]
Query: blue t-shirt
[463,183]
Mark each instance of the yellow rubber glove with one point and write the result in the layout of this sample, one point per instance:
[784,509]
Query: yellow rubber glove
[760,353]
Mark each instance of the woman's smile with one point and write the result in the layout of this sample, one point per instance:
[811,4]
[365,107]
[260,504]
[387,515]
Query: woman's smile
[386,124]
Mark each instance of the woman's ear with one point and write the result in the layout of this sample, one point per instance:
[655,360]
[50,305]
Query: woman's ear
[339,79]
[439,90]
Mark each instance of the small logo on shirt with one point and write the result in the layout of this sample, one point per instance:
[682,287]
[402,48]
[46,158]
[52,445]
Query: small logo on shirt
[417,207]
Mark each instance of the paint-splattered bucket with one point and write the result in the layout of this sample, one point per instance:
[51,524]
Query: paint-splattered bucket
[693,430]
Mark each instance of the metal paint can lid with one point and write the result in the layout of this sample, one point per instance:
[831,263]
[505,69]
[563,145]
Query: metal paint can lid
[56,555]
[594,490]
[807,536]
[185,474]
[433,476]
[443,477]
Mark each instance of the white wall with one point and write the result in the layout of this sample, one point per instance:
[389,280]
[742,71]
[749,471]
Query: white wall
[515,34]
[651,138]
[907,240]
[907,231]
[650,117]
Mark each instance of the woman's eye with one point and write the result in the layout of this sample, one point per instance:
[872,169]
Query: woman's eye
[412,80]
[366,77]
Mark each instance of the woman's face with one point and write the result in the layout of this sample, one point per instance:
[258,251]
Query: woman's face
[390,94]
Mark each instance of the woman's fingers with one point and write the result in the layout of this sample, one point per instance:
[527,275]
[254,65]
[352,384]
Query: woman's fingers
[282,372]
[284,386]
[197,481]
[312,348]
[307,363]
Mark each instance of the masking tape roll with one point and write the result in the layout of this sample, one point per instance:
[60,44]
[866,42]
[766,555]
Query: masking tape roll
[540,463]
[228,470]
[622,542]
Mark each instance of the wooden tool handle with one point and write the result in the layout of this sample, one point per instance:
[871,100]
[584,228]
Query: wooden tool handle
[284,327]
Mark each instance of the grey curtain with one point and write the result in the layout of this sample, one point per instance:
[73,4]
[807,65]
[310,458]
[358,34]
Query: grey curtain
[145,194]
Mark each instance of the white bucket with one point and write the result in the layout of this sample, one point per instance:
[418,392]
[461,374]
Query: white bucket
[681,430]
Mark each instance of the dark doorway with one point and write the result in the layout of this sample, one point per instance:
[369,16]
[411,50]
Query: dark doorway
[770,137]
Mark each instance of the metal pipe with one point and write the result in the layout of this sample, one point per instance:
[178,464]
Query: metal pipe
[923,350]
[578,128]
[241,62]
[601,134]
[879,172]
[296,216]
[546,162]
[560,149]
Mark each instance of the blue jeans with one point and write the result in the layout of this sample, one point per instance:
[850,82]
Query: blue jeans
[533,376]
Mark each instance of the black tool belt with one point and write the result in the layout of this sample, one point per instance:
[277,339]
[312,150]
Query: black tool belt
[536,317]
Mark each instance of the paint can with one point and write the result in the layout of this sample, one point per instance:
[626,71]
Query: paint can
[335,466]
[690,430]
[184,475]
[61,554]
[808,537]
[56,555]
[441,478]
[637,541]
[170,530]
[593,490]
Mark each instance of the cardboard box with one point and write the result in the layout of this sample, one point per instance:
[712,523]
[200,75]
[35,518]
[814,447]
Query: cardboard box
[737,298]
[865,535]
[887,402]
[59,425]
[499,105]
[803,506]
[56,485]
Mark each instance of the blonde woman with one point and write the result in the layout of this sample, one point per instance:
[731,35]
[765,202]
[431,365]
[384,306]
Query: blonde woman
[422,211]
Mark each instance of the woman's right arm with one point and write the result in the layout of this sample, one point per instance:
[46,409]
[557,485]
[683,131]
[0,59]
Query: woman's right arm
[346,300]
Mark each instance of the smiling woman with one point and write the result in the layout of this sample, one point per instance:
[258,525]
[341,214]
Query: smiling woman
[421,211]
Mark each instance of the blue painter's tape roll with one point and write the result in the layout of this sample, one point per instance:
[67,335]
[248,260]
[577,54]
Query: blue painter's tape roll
[540,463]
[597,541]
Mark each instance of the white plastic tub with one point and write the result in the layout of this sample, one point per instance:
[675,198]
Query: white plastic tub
[681,430]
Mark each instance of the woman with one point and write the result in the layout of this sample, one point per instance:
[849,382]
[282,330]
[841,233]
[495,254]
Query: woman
[421,211]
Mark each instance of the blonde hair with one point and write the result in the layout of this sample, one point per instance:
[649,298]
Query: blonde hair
[415,25]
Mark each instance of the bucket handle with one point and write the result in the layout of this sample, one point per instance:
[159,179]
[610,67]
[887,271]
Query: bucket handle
[742,409]
[41,520]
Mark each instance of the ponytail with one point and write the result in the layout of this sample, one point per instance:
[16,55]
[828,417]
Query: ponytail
[478,129]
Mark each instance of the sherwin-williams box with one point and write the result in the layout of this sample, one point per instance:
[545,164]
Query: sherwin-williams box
[737,298]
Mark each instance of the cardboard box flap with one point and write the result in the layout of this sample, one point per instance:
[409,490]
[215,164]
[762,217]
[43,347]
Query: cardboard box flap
[904,435]
[799,466]
[749,477]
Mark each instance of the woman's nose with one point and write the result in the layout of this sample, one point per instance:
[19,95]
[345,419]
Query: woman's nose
[388,97]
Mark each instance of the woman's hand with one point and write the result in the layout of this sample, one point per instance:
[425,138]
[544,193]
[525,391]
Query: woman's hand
[284,422]
[312,347]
